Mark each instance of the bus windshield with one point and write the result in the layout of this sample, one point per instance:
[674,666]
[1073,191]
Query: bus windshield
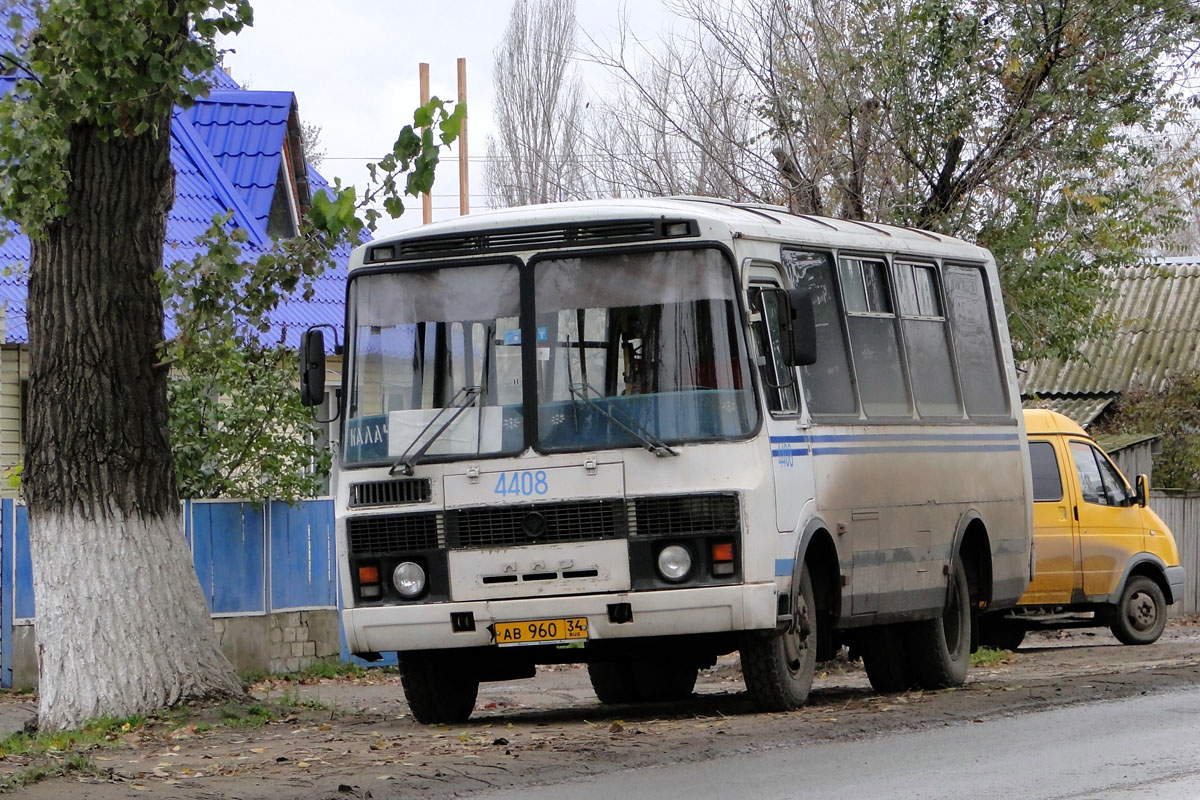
[428,364]
[640,347]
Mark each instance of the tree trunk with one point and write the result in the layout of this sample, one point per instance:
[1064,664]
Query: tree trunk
[122,625]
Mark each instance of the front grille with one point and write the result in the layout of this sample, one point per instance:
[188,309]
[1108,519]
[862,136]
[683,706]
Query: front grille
[533,237]
[508,526]
[384,535]
[390,493]
[685,514]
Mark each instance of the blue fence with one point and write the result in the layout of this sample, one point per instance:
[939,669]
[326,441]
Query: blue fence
[251,558]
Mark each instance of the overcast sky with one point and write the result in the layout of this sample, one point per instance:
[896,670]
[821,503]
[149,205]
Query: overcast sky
[354,68]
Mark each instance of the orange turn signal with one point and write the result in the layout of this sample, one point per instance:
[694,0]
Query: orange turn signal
[722,552]
[368,574]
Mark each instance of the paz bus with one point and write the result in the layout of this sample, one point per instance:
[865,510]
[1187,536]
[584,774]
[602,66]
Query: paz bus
[642,434]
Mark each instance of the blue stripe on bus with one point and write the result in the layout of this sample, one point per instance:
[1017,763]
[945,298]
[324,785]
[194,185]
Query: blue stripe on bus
[908,437]
[784,567]
[918,448]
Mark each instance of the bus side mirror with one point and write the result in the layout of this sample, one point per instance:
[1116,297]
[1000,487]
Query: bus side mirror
[312,367]
[1142,492]
[803,329]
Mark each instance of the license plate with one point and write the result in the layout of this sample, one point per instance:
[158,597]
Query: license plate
[542,631]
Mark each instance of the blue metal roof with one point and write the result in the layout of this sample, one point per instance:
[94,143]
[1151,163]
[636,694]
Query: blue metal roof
[226,150]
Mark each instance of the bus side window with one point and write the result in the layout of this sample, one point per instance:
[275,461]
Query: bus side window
[871,319]
[983,383]
[828,385]
[778,379]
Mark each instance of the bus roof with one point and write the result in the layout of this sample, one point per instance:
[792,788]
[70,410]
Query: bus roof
[715,219]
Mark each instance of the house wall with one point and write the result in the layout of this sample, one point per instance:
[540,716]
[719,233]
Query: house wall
[14,368]
[1135,460]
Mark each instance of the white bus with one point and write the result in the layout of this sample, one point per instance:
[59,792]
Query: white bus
[643,434]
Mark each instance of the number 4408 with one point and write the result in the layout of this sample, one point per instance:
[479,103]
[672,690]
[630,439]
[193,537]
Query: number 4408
[526,483]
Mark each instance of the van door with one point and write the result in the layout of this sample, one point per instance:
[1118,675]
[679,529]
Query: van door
[1058,573]
[1110,524]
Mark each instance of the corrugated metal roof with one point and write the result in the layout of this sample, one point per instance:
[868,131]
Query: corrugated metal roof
[1155,307]
[226,151]
[1082,408]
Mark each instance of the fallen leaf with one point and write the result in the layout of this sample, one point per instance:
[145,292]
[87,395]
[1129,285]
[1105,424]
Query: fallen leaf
[258,749]
[616,727]
[303,764]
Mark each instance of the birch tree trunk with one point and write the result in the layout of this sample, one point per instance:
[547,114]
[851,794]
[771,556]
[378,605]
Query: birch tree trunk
[122,625]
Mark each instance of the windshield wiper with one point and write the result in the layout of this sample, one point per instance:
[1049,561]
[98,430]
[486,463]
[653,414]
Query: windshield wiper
[404,465]
[654,445]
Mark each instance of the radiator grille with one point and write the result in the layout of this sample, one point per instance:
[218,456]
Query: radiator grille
[393,534]
[390,493]
[681,515]
[508,526]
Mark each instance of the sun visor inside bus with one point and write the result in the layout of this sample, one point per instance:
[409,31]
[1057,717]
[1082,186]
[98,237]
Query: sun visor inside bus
[674,276]
[443,295]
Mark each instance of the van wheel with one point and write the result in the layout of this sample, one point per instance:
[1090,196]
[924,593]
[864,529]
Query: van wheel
[613,682]
[1141,613]
[778,668]
[437,690]
[939,649]
[885,658]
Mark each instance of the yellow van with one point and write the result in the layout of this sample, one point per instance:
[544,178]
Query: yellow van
[1102,557]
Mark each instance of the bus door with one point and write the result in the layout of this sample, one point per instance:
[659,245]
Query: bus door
[786,419]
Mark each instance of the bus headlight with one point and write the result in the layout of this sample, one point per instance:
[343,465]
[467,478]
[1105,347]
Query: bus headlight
[675,563]
[409,579]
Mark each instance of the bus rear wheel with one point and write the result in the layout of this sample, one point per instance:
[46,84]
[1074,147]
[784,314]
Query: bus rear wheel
[437,690]
[939,649]
[778,668]
[885,658]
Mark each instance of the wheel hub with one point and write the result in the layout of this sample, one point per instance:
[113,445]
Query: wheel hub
[795,639]
[1142,611]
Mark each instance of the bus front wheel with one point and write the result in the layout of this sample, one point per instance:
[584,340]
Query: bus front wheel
[437,690]
[778,669]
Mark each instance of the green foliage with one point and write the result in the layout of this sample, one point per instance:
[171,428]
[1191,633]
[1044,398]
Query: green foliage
[72,764]
[1173,412]
[1031,127]
[117,68]
[989,656]
[99,732]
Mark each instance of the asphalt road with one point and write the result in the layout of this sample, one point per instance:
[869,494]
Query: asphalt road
[1148,746]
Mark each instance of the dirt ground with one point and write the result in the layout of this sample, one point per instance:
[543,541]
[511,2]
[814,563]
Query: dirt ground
[356,739]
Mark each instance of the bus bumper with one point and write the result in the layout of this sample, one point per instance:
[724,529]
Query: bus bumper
[716,609]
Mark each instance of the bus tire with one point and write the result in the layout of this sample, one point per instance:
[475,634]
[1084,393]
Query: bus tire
[939,649]
[885,659]
[613,682]
[437,691]
[778,668]
[1141,613]
[664,682]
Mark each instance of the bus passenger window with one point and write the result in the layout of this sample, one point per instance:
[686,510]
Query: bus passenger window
[873,343]
[984,387]
[926,340]
[828,389]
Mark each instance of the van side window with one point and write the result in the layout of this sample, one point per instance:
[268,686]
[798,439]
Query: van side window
[873,343]
[983,383]
[1099,481]
[1114,485]
[1047,482]
[828,388]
